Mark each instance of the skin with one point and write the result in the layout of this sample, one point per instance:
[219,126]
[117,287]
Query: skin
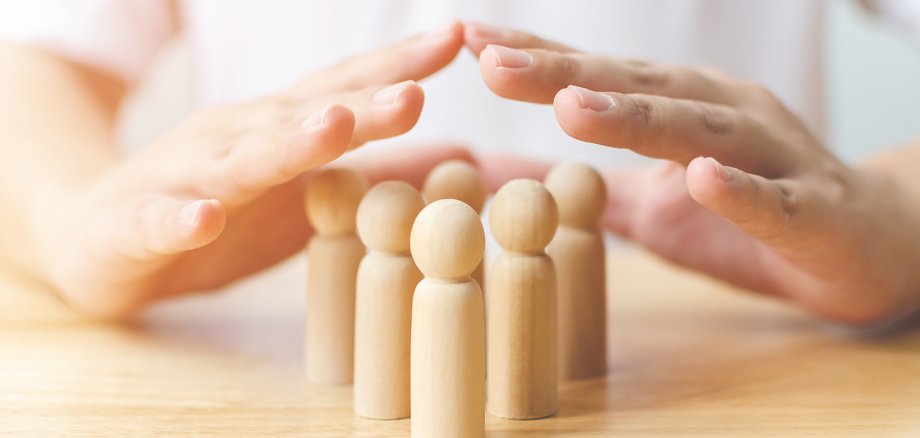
[214,200]
[745,194]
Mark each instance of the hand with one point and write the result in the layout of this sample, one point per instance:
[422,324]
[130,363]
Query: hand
[749,196]
[221,196]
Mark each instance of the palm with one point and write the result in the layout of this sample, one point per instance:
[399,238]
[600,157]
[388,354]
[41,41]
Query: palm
[221,196]
[662,216]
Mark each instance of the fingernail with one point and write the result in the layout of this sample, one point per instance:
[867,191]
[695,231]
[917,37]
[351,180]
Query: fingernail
[593,101]
[317,119]
[511,58]
[488,32]
[190,213]
[721,172]
[390,95]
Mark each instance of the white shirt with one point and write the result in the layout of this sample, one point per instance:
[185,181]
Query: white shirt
[244,48]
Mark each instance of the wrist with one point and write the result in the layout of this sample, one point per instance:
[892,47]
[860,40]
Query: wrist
[895,205]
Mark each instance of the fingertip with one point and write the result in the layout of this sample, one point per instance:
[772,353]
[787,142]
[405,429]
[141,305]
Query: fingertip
[509,80]
[571,116]
[334,118]
[488,65]
[595,117]
[392,110]
[451,33]
[566,100]
[446,41]
[202,221]
[403,108]
[340,116]
[326,134]
[710,182]
[411,100]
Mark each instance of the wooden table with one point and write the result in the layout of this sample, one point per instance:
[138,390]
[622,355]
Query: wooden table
[688,357]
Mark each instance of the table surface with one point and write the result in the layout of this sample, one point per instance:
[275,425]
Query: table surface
[688,357]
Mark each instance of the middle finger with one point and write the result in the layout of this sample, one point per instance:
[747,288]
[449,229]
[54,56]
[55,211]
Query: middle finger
[536,75]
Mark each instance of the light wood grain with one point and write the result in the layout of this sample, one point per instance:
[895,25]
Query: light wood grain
[458,179]
[448,324]
[688,358]
[386,280]
[521,329]
[334,254]
[578,254]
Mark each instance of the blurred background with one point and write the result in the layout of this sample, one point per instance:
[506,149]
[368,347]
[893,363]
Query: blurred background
[873,86]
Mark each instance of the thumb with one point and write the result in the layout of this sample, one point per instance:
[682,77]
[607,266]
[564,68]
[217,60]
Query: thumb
[153,226]
[769,210]
[133,239]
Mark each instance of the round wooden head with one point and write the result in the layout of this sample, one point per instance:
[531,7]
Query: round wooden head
[332,201]
[456,179]
[386,214]
[447,240]
[523,217]
[579,192]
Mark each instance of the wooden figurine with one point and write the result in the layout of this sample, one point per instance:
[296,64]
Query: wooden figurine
[578,253]
[522,304]
[386,280]
[333,256]
[448,334]
[458,179]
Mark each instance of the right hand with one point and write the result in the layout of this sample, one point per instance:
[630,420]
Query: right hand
[221,196]
[748,194]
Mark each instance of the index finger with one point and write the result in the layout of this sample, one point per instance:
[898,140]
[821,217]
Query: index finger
[412,59]
[674,129]
[479,35]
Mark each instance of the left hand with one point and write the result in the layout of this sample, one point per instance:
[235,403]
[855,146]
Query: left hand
[749,196]
[220,196]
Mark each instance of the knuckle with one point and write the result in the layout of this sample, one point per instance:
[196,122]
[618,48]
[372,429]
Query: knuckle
[568,67]
[643,111]
[647,75]
[715,120]
[790,202]
[646,117]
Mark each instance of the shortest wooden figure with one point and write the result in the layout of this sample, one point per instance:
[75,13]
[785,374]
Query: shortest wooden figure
[522,304]
[333,257]
[578,252]
[448,333]
[387,277]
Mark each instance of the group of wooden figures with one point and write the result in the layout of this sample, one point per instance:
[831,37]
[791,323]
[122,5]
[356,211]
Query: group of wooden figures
[394,302]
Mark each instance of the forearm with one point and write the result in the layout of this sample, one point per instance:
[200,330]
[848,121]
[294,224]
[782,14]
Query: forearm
[56,136]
